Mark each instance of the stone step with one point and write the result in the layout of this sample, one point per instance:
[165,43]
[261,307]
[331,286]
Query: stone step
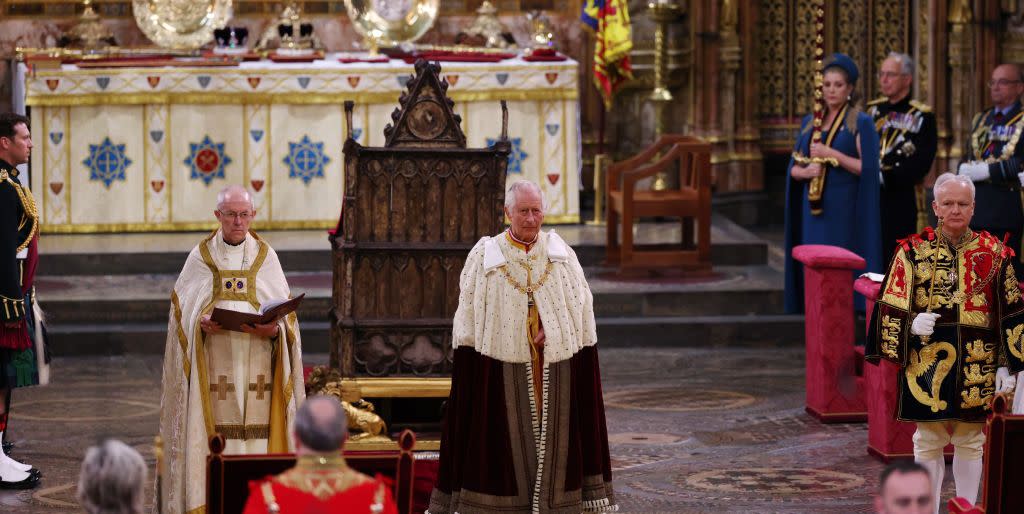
[309,250]
[669,331]
[723,254]
[127,299]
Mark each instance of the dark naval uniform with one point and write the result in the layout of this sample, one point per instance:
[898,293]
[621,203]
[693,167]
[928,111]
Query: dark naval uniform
[20,364]
[951,375]
[19,224]
[907,140]
[994,139]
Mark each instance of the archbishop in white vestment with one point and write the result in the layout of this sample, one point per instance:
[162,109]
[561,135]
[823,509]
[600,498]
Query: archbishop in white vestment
[244,386]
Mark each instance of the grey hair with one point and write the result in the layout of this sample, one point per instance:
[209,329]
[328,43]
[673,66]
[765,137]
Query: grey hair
[321,424]
[511,196]
[112,479]
[906,62]
[947,178]
[222,196]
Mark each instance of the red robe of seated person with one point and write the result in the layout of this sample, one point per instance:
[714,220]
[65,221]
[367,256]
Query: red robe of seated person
[320,485]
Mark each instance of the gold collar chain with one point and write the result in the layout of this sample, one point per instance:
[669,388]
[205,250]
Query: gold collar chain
[530,288]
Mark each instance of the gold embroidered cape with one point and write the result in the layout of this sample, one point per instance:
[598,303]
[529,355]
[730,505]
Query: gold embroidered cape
[950,376]
[320,483]
[190,411]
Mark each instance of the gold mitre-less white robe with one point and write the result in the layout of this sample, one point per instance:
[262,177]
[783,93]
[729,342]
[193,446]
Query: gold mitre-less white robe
[244,387]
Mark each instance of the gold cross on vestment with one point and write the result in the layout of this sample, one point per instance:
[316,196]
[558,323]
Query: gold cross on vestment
[222,387]
[260,386]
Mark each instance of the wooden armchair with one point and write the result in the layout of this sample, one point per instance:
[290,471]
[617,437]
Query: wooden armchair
[691,202]
[228,476]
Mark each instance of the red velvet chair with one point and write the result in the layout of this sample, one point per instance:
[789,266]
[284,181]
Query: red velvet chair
[835,394]
[228,476]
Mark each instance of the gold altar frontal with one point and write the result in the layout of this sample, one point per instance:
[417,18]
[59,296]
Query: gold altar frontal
[147,149]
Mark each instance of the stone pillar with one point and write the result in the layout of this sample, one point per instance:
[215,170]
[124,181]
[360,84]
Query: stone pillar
[961,60]
[834,391]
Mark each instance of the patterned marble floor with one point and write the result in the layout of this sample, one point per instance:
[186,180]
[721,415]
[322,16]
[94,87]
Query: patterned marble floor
[691,431]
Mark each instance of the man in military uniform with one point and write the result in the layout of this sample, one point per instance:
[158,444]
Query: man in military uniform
[951,315]
[18,257]
[320,480]
[993,158]
[908,139]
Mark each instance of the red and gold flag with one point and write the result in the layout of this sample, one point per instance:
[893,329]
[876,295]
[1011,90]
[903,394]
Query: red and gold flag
[610,20]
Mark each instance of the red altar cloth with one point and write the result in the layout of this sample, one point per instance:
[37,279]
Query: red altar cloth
[835,394]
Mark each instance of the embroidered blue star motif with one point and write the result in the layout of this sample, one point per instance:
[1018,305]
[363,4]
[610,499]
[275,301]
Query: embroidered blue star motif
[107,162]
[207,160]
[306,159]
[516,156]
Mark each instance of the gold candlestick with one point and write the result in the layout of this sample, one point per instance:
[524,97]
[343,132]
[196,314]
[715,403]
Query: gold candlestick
[601,161]
[662,13]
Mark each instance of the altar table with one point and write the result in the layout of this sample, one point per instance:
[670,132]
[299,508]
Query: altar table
[147,149]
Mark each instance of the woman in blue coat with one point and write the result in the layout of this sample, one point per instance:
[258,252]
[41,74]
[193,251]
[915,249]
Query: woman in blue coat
[850,210]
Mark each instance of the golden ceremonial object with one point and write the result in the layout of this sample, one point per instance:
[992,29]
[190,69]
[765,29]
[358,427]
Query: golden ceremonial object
[181,24]
[817,184]
[90,34]
[488,27]
[391,22]
[290,34]
[662,13]
[935,265]
[601,162]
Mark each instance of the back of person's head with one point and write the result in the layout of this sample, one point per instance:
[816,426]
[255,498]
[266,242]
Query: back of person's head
[112,479]
[321,424]
[904,487]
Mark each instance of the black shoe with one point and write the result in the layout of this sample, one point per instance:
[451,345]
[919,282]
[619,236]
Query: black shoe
[8,448]
[31,481]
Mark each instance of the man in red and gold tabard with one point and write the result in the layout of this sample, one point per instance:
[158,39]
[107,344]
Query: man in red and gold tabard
[22,352]
[524,428]
[951,316]
[320,482]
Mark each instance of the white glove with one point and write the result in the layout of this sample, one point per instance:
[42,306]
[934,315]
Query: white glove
[976,171]
[1020,176]
[1005,382]
[924,324]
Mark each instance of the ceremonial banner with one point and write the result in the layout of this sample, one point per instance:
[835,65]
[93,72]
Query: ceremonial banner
[610,21]
[148,149]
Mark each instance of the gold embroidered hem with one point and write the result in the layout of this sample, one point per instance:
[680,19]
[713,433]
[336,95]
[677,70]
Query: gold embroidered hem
[243,432]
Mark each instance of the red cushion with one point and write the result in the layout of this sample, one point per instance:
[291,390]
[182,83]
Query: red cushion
[867,287]
[826,256]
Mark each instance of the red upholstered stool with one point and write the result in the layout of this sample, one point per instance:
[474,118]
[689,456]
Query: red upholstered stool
[888,438]
[835,394]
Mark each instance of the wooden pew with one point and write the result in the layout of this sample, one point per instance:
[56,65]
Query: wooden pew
[228,476]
